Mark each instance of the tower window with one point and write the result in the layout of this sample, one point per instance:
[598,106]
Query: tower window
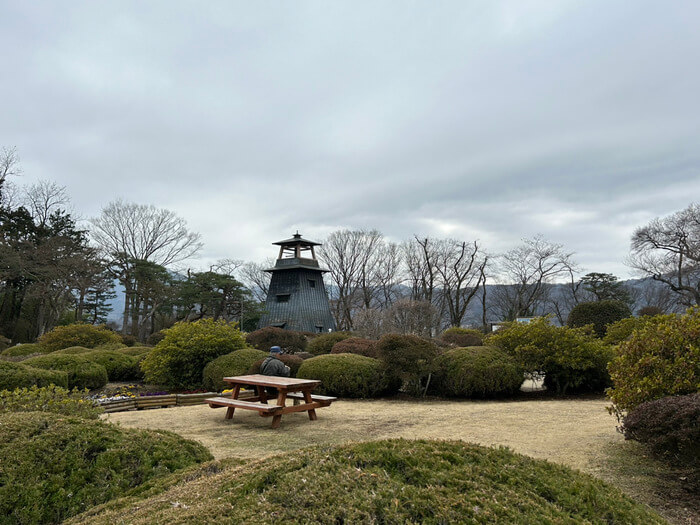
[312,283]
[282,297]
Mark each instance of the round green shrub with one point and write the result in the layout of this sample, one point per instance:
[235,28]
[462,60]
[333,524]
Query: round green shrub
[670,426]
[356,345]
[289,340]
[86,335]
[135,351]
[570,359]
[82,373]
[293,361]
[73,350]
[56,466]
[410,359]
[234,364]
[396,481]
[19,375]
[346,375]
[477,371]
[599,313]
[179,359]
[111,346]
[462,337]
[323,343]
[661,358]
[120,367]
[24,350]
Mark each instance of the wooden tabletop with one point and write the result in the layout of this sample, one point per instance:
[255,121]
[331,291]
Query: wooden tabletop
[272,381]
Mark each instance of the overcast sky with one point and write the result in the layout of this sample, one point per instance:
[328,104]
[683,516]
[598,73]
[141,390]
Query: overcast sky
[490,120]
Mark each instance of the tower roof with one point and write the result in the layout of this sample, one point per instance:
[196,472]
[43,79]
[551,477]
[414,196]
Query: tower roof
[297,239]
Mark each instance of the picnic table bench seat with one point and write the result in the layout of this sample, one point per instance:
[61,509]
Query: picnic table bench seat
[215,402]
[324,400]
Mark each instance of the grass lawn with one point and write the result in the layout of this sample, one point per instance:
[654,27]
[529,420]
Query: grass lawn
[577,432]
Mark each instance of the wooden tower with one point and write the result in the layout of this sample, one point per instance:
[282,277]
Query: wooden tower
[297,298]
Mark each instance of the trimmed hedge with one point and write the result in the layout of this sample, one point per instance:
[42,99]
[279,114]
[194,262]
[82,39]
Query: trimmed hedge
[323,344]
[410,359]
[119,366]
[24,350]
[82,373]
[292,361]
[670,426]
[19,375]
[659,359]
[135,351]
[622,329]
[346,375]
[477,371]
[178,361]
[234,364]
[85,335]
[56,466]
[598,313]
[72,350]
[462,337]
[356,345]
[289,340]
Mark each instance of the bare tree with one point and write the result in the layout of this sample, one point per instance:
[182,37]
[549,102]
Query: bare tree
[44,198]
[525,273]
[668,250]
[256,279]
[130,233]
[461,268]
[9,165]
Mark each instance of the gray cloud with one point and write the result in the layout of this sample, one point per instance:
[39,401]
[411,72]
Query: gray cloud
[489,120]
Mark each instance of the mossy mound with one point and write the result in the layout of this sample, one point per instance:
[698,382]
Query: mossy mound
[72,350]
[55,466]
[135,351]
[18,375]
[396,481]
[120,367]
[347,375]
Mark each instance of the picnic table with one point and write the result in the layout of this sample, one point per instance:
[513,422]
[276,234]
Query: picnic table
[298,390]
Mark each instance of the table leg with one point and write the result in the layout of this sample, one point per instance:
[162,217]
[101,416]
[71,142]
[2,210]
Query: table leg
[312,412]
[234,394]
[262,394]
[281,400]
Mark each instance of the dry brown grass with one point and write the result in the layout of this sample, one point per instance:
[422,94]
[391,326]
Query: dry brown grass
[577,432]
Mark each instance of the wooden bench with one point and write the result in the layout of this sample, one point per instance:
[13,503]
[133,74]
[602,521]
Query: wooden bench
[233,404]
[323,400]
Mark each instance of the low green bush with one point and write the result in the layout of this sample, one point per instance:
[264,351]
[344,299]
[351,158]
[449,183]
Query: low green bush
[234,364]
[119,366]
[135,351]
[19,375]
[600,314]
[661,358]
[178,361]
[56,466]
[73,350]
[50,398]
[410,359]
[570,359]
[86,335]
[323,343]
[346,375]
[82,373]
[289,340]
[111,346]
[24,350]
[462,337]
[477,371]
[670,426]
[293,361]
[356,345]
[391,482]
